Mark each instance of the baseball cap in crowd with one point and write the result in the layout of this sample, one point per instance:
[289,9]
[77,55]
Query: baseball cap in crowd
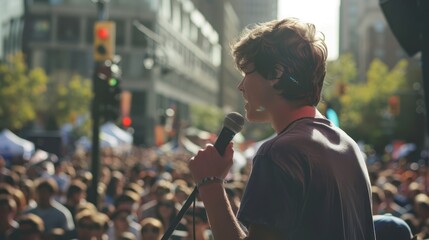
[389,227]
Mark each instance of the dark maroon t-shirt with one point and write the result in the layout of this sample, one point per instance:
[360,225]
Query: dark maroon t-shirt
[310,182]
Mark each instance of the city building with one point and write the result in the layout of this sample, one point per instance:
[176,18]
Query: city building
[255,11]
[364,32]
[222,15]
[230,18]
[170,54]
[11,26]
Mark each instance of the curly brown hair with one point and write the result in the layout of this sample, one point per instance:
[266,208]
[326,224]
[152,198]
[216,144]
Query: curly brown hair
[290,46]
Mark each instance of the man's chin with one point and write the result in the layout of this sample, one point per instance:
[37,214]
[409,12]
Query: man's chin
[256,117]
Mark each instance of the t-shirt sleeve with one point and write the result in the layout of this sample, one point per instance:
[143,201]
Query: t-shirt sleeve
[274,193]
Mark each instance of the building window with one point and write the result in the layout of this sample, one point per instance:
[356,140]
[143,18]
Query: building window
[90,30]
[70,60]
[40,28]
[193,32]
[185,24]
[166,9]
[68,29]
[177,21]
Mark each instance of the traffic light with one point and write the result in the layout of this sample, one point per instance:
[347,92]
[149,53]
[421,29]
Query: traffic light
[126,122]
[104,40]
[108,79]
[394,105]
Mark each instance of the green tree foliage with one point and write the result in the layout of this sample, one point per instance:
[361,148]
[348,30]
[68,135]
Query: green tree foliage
[20,92]
[67,99]
[363,104]
[208,118]
[28,94]
[342,70]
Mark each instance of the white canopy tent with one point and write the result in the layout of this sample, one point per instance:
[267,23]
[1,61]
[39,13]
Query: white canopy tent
[111,136]
[13,146]
[123,137]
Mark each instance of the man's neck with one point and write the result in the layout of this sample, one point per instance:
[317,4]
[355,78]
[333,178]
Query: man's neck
[45,205]
[281,120]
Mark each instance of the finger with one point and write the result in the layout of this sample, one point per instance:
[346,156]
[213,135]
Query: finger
[229,151]
[211,149]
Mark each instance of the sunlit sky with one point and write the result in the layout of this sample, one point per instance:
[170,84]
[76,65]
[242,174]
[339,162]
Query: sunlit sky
[323,13]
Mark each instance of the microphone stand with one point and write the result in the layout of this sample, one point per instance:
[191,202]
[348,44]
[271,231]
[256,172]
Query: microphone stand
[180,215]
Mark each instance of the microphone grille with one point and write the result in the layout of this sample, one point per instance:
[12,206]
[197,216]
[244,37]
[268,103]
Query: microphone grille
[234,121]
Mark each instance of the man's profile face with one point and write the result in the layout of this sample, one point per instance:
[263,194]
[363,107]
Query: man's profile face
[257,94]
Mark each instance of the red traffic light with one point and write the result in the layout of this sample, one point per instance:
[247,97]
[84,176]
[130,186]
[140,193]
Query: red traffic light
[104,40]
[394,105]
[103,33]
[126,121]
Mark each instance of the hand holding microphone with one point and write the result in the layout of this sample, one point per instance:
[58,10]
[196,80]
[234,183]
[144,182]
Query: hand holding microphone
[216,160]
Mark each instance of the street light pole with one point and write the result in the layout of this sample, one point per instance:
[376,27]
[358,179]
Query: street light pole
[95,147]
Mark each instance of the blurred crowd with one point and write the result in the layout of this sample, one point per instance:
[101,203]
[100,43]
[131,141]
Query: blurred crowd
[139,195]
[141,191]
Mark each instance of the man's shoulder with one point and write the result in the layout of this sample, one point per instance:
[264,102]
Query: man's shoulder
[60,208]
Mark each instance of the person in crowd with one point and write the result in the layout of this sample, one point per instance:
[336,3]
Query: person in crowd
[91,225]
[389,205]
[421,213]
[377,200]
[151,229]
[166,210]
[21,201]
[414,189]
[28,188]
[181,191]
[308,182]
[62,180]
[158,192]
[76,197]
[53,213]
[389,227]
[127,236]
[56,234]
[201,224]
[135,173]
[7,216]
[5,173]
[30,227]
[128,201]
[122,221]
[135,187]
[114,188]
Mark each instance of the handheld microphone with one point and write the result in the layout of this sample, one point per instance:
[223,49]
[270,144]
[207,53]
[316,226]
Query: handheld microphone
[232,124]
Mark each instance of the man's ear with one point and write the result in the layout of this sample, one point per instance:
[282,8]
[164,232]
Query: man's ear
[279,69]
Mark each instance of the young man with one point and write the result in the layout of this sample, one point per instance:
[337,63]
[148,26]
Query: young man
[310,181]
